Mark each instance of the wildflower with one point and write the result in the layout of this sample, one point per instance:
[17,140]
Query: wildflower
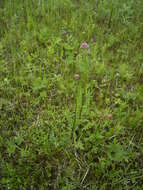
[84,45]
[76,76]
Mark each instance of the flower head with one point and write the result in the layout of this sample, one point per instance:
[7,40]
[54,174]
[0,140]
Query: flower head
[76,76]
[84,45]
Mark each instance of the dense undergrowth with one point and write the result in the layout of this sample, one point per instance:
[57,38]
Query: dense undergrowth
[71,118]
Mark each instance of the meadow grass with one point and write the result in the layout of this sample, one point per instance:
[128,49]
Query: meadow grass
[71,118]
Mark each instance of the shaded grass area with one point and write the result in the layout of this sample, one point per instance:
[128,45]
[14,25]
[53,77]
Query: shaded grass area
[71,118]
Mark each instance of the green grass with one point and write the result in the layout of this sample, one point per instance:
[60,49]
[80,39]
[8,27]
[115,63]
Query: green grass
[71,118]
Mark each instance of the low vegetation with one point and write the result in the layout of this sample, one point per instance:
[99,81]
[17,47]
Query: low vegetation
[71,95]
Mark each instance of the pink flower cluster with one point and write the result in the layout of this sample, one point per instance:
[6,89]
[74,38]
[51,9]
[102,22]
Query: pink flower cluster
[84,45]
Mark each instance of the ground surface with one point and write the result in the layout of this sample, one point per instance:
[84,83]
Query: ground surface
[71,118]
